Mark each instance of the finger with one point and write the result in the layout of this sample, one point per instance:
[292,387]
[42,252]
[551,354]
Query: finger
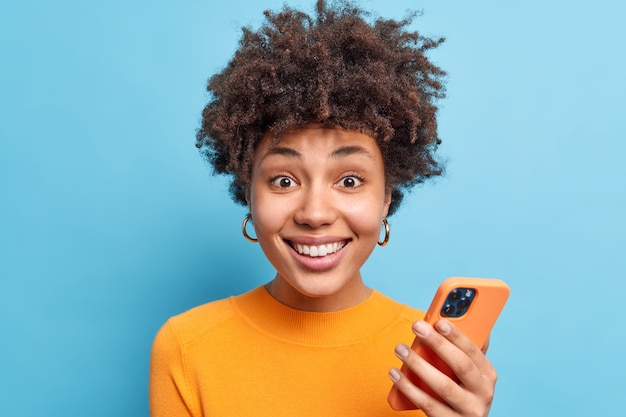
[422,400]
[434,373]
[467,363]
[467,368]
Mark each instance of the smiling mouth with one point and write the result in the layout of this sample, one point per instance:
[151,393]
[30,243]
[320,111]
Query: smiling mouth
[315,251]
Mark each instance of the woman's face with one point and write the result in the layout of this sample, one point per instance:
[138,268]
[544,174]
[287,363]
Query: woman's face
[317,200]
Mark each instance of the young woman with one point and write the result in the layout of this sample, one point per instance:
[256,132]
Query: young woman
[322,123]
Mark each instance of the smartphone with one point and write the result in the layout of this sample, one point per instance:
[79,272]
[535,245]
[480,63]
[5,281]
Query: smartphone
[473,305]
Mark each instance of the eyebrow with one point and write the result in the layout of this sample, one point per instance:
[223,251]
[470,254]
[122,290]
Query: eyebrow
[341,152]
[281,150]
[350,150]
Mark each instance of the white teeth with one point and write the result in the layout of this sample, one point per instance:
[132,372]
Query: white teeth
[320,250]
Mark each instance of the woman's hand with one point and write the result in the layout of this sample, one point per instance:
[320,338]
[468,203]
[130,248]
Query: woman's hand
[471,397]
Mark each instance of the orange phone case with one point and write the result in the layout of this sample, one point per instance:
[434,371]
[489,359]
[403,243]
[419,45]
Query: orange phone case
[488,299]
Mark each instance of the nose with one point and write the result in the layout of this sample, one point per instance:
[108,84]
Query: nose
[316,207]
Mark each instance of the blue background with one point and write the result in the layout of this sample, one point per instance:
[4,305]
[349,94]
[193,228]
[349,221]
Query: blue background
[110,222]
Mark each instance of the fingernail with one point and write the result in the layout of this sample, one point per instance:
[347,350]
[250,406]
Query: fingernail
[402,351]
[394,374]
[420,328]
[443,327]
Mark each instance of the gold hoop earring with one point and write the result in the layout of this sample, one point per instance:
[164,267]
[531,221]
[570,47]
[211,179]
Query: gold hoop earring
[243,230]
[386,239]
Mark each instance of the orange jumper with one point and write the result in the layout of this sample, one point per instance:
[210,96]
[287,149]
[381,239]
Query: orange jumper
[250,355]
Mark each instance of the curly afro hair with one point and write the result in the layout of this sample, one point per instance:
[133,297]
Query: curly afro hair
[335,69]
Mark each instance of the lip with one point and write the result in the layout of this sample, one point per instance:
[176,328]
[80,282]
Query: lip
[312,240]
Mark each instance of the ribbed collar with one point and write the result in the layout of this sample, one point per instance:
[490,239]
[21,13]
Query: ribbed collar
[353,325]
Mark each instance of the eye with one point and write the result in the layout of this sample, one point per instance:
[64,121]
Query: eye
[283,182]
[350,181]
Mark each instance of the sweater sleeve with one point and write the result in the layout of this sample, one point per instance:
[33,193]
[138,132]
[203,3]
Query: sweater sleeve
[170,392]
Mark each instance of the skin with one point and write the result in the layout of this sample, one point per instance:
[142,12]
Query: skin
[318,187]
[472,397]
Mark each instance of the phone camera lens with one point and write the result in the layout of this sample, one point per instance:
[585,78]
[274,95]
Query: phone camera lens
[455,295]
[463,305]
[458,302]
[448,310]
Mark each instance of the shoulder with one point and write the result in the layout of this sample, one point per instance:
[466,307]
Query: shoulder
[201,319]
[194,324]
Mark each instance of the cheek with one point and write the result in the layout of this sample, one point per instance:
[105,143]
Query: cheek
[268,216]
[266,223]
[365,217]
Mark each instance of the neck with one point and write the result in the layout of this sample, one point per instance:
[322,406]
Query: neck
[286,294]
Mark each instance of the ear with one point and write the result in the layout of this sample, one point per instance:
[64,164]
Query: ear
[387,202]
[247,195]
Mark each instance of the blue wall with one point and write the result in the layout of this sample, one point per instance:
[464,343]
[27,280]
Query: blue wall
[110,222]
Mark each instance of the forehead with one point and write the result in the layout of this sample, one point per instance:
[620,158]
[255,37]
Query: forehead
[319,141]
